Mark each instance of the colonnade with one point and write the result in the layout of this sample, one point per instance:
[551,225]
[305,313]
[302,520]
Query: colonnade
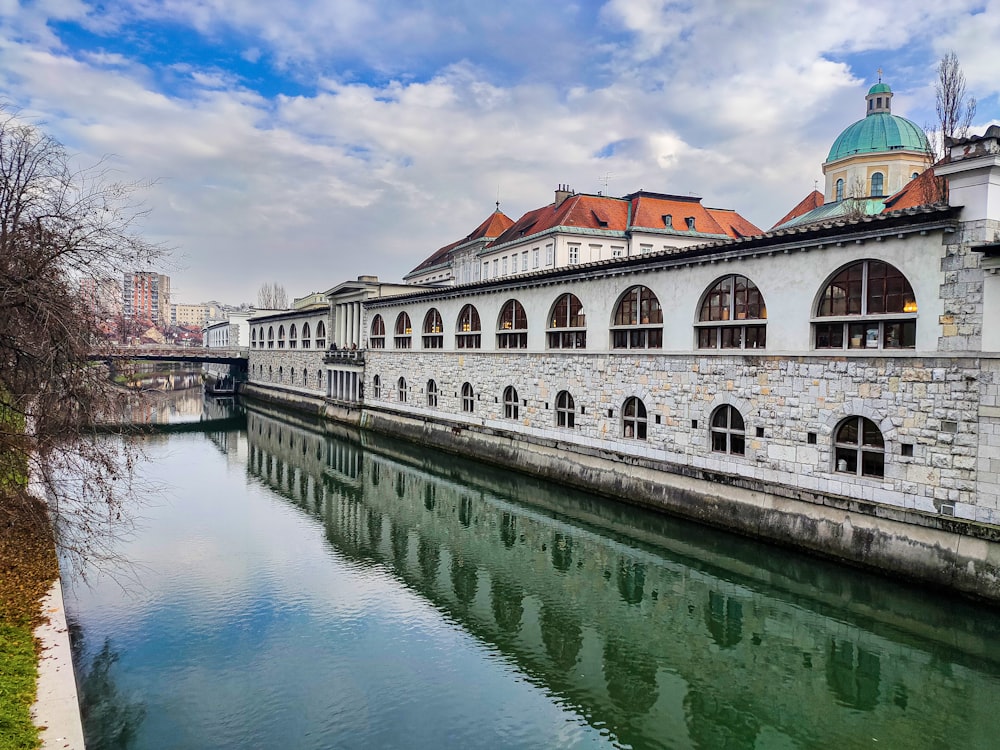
[347,320]
[344,385]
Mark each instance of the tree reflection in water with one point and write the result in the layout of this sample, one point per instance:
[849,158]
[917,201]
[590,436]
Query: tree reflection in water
[508,606]
[562,636]
[110,721]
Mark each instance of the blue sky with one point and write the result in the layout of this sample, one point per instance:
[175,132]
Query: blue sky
[306,143]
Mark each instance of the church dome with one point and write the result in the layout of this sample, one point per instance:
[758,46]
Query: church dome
[879,131]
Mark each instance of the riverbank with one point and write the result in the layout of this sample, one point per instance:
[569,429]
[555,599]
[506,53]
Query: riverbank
[28,567]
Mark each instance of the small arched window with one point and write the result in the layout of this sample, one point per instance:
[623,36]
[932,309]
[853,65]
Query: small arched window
[511,406]
[305,376]
[638,322]
[859,448]
[281,337]
[839,196]
[567,324]
[377,338]
[728,431]
[270,373]
[726,311]
[402,390]
[432,394]
[403,331]
[291,376]
[319,379]
[565,410]
[634,418]
[512,326]
[468,398]
[293,337]
[872,306]
[467,332]
[377,386]
[877,180]
[253,338]
[433,330]
[306,341]
[281,374]
[270,337]
[321,335]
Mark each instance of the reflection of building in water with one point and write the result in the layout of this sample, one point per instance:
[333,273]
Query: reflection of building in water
[156,407]
[673,640]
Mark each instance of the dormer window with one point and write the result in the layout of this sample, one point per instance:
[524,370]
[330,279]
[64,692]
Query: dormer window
[690,223]
[668,221]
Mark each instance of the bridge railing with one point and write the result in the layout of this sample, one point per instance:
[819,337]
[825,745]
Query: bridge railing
[344,356]
[170,353]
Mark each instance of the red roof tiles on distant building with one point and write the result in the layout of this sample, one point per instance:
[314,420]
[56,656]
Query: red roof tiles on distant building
[807,204]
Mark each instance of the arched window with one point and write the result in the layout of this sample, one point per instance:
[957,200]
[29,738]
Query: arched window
[877,179]
[914,176]
[467,332]
[568,324]
[840,190]
[638,322]
[291,376]
[377,338]
[253,338]
[281,374]
[634,418]
[281,337]
[432,394]
[433,330]
[468,398]
[305,376]
[402,390]
[872,306]
[512,326]
[305,336]
[565,410]
[859,448]
[403,331]
[270,337]
[726,308]
[510,403]
[293,337]
[321,335]
[319,379]
[377,386]
[270,373]
[728,431]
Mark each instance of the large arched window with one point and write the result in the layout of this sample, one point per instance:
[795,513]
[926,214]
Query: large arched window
[512,326]
[402,390]
[321,335]
[270,337]
[634,418]
[403,331]
[726,311]
[565,410]
[511,406]
[432,393]
[377,386]
[433,330]
[281,337]
[467,332]
[840,190]
[293,337]
[377,338]
[638,322]
[859,448]
[728,431]
[867,305]
[253,338]
[468,398]
[877,182]
[306,339]
[567,324]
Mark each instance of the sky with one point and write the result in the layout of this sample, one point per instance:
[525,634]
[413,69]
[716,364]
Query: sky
[305,143]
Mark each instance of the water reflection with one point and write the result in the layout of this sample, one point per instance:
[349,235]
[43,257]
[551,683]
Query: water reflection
[656,631]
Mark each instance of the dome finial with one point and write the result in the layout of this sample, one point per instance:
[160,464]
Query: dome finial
[879,71]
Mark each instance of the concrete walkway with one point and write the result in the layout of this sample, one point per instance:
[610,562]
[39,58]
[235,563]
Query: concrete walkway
[56,709]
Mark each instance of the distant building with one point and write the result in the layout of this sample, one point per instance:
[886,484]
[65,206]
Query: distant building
[190,315]
[146,296]
[103,296]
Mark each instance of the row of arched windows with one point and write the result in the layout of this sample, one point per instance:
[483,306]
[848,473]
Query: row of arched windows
[859,448]
[855,306]
[302,377]
[293,340]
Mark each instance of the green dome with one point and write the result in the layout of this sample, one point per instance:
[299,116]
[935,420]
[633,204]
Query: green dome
[878,132]
[879,88]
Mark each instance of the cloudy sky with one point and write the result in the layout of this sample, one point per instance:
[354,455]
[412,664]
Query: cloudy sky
[306,142]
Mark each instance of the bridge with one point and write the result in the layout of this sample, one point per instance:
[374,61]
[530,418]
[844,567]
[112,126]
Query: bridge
[174,354]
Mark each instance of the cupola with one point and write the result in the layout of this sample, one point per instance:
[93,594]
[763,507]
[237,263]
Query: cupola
[878,100]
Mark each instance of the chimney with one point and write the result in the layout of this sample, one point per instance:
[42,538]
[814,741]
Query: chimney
[562,193]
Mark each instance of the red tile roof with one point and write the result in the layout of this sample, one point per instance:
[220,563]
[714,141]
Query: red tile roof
[924,189]
[807,204]
[733,224]
[493,226]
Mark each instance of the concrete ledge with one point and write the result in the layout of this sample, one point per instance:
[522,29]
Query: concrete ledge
[57,707]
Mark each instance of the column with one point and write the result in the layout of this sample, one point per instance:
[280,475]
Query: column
[357,324]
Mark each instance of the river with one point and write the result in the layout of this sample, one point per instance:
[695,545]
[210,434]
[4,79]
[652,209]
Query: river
[295,588]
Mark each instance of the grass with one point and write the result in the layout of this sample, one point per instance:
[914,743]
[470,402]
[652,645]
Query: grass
[27,568]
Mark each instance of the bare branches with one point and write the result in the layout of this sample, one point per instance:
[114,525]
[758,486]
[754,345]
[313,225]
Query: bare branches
[272,296]
[954,110]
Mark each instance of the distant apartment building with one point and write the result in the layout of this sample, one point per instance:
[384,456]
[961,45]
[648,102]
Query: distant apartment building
[189,315]
[146,296]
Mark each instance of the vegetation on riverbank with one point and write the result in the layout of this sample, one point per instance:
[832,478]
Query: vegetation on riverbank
[27,568]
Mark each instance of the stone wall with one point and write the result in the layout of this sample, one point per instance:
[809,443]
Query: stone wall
[296,370]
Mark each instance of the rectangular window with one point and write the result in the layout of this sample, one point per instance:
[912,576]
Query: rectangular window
[595,253]
[486,270]
[496,267]
[504,265]
[645,249]
[574,254]
[549,255]
[524,260]
[535,257]
[617,252]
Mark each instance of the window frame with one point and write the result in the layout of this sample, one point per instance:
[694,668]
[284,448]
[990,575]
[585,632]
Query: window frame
[402,331]
[402,390]
[565,410]
[634,426]
[468,331]
[433,330]
[512,326]
[725,312]
[647,330]
[376,336]
[511,404]
[561,333]
[724,432]
[432,393]
[857,455]
[468,398]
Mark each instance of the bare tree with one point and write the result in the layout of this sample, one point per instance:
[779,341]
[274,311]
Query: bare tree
[272,296]
[57,226]
[954,109]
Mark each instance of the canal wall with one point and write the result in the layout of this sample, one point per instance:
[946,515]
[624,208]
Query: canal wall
[944,551]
